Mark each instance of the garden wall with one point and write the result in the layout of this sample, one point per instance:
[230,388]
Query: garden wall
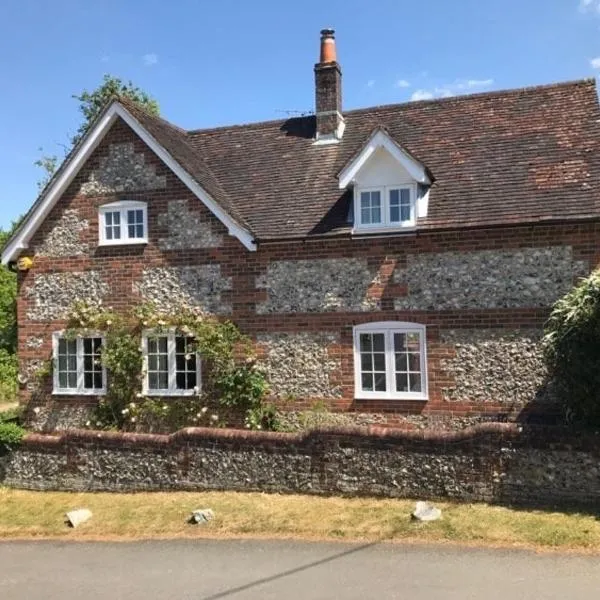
[499,462]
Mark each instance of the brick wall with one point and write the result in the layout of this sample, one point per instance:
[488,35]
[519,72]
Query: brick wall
[499,284]
[489,462]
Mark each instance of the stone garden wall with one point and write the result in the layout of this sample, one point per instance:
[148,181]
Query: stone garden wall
[489,462]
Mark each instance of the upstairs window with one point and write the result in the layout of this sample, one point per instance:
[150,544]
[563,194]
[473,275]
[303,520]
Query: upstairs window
[123,222]
[390,361]
[78,365]
[385,207]
[172,364]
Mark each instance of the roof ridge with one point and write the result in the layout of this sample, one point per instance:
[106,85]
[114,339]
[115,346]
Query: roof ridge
[586,81]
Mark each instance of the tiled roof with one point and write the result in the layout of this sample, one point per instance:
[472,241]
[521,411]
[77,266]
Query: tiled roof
[502,157]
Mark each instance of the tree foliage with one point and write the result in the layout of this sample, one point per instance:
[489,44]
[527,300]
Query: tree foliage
[8,295]
[90,105]
[572,351]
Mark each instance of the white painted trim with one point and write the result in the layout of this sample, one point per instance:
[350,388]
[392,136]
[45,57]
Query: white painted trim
[386,224]
[388,328]
[122,207]
[90,143]
[381,140]
[172,390]
[80,390]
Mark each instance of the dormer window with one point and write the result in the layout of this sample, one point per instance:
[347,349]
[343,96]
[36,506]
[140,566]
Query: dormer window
[124,222]
[388,206]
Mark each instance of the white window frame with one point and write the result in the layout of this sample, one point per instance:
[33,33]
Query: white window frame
[388,328]
[122,207]
[80,390]
[172,390]
[385,224]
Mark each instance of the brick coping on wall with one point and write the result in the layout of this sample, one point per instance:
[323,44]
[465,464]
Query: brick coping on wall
[191,434]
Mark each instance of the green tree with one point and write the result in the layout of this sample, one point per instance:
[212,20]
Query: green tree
[8,295]
[90,105]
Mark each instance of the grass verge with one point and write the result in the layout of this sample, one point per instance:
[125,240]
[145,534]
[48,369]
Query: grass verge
[25,514]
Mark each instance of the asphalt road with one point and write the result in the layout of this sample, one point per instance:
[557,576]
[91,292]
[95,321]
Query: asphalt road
[211,570]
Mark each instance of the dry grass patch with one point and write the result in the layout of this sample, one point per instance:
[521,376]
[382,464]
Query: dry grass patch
[163,515]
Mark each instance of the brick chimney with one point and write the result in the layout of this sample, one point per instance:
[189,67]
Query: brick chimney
[328,87]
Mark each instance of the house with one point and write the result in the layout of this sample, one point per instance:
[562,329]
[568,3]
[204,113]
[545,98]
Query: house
[398,259]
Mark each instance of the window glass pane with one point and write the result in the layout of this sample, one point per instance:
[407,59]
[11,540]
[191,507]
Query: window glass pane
[191,380]
[365,342]
[180,344]
[117,233]
[415,382]
[163,362]
[88,363]
[399,342]
[116,218]
[414,362]
[401,382]
[62,363]
[152,381]
[366,362]
[72,362]
[413,341]
[380,384]
[394,214]
[98,383]
[87,345]
[131,231]
[62,380]
[162,344]
[72,380]
[152,362]
[379,342]
[365,216]
[401,363]
[88,381]
[139,231]
[108,218]
[163,381]
[370,207]
[108,233]
[180,381]
[367,382]
[379,362]
[139,216]
[152,347]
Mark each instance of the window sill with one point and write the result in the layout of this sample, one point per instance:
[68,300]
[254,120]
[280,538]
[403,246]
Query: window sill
[368,230]
[394,397]
[168,393]
[123,243]
[78,392]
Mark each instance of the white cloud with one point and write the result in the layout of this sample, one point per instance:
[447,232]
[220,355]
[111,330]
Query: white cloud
[150,59]
[402,83]
[370,83]
[459,86]
[589,5]
[595,62]
[104,58]
[422,95]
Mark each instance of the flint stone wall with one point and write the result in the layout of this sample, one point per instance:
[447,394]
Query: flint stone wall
[122,170]
[323,285]
[528,277]
[301,365]
[169,288]
[187,229]
[52,294]
[489,462]
[498,366]
[63,239]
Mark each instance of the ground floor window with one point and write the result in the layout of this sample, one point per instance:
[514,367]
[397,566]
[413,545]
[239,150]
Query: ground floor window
[390,361]
[171,364]
[78,365]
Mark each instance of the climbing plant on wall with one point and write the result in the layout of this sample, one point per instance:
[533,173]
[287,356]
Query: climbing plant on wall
[232,380]
[572,351]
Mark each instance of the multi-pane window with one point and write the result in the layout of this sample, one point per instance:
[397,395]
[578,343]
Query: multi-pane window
[78,365]
[124,222]
[135,223]
[390,361]
[172,364]
[390,206]
[400,205]
[370,208]
[112,225]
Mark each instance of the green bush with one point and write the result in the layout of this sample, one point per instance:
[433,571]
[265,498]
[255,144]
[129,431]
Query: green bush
[11,435]
[8,376]
[572,351]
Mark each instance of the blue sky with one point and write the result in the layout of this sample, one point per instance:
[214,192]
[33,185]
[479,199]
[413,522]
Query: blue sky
[225,61]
